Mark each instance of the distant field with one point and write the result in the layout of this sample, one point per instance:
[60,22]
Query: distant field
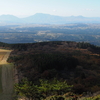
[39,33]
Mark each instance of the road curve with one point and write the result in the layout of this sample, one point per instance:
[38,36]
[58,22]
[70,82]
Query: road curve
[4,59]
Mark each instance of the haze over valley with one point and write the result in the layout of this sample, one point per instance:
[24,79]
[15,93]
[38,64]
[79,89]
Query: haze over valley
[30,33]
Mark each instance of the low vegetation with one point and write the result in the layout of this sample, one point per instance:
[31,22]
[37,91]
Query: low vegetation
[74,66]
[43,89]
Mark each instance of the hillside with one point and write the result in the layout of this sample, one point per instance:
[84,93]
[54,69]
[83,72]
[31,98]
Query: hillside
[77,63]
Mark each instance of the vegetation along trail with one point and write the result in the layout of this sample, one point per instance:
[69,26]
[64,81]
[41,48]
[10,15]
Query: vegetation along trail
[6,76]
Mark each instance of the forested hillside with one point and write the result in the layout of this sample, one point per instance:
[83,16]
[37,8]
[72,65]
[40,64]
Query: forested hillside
[76,63]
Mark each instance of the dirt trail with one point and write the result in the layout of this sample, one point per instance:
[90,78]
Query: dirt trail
[5,57]
[6,77]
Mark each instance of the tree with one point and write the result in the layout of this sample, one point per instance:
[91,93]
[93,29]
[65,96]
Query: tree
[52,87]
[26,89]
[44,89]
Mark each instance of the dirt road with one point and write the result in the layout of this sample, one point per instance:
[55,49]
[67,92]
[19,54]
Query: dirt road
[6,76]
[5,56]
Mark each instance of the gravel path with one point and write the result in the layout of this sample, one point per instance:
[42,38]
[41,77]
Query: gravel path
[6,77]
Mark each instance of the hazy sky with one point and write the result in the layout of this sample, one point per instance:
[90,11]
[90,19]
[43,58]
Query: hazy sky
[23,8]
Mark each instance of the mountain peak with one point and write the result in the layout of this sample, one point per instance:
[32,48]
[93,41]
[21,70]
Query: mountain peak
[6,17]
[80,16]
[42,14]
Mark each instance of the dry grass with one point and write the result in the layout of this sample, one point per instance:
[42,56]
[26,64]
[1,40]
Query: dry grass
[2,55]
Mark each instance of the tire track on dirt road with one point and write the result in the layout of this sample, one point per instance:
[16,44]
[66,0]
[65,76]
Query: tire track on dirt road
[6,77]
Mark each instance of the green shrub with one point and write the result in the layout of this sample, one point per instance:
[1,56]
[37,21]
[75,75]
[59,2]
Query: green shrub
[44,89]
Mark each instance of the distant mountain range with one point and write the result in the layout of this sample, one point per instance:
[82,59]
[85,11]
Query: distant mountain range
[41,18]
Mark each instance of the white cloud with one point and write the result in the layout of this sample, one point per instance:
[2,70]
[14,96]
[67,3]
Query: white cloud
[54,10]
[88,9]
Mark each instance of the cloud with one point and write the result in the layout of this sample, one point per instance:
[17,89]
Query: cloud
[54,10]
[87,9]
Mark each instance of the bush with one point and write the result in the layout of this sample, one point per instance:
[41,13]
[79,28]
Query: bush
[44,89]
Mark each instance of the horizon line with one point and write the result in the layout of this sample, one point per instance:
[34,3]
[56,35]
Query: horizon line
[46,14]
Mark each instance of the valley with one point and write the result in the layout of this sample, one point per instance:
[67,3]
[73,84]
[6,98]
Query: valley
[32,33]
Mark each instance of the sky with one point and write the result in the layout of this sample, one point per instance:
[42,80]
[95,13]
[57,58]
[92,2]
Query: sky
[25,8]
